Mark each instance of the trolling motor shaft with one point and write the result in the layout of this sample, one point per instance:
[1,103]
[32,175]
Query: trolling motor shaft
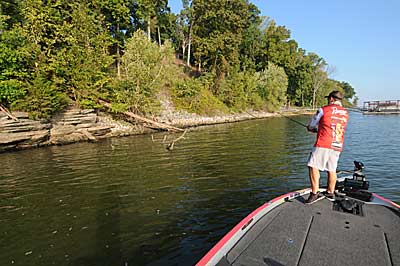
[358,174]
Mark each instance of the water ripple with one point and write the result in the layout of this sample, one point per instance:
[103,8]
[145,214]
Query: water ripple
[129,200]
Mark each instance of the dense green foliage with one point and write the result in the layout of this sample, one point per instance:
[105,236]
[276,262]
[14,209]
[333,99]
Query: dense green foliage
[13,64]
[145,69]
[53,53]
[272,86]
[194,95]
[239,91]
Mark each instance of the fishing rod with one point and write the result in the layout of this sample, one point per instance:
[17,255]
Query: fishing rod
[293,120]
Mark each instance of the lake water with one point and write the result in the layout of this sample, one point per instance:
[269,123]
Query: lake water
[129,201]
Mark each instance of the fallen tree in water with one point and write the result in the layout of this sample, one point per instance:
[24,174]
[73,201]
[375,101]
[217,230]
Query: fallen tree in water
[151,123]
[170,146]
[7,112]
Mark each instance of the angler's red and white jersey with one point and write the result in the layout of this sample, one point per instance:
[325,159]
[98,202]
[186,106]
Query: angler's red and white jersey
[331,121]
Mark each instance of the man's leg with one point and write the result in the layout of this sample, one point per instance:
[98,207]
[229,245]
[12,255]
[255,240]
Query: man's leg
[331,181]
[314,179]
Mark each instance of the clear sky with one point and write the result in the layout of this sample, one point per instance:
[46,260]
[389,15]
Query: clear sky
[359,38]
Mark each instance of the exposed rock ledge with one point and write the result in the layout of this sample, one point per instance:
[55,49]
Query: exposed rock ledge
[76,125]
[71,126]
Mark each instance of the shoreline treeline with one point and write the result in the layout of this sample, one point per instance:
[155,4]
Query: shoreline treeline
[212,57]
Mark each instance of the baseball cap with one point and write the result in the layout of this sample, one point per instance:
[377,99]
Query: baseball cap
[336,95]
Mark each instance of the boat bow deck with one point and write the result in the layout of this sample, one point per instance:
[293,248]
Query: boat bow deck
[298,234]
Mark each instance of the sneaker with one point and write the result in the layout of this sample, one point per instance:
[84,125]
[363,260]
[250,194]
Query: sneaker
[314,198]
[329,196]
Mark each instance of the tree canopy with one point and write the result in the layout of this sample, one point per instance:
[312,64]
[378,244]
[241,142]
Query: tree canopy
[53,53]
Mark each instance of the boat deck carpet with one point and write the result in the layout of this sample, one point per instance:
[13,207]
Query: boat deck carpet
[298,234]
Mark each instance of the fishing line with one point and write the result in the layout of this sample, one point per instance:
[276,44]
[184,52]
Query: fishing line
[293,120]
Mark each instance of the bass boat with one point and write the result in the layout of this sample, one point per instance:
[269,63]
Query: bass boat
[357,227]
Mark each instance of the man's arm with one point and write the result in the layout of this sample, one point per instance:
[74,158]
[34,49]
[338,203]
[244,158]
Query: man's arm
[313,124]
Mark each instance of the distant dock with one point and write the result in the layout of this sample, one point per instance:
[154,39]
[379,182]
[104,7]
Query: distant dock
[381,107]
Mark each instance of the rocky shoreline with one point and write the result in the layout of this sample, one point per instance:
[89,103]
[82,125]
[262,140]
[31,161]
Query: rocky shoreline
[75,125]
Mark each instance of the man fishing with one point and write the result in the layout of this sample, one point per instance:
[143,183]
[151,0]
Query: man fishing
[330,124]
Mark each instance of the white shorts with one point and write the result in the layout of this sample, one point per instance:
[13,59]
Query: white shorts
[323,159]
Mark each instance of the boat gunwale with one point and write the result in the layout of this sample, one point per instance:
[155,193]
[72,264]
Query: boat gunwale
[383,201]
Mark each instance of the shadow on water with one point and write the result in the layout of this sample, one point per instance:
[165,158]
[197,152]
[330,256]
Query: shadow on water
[108,249]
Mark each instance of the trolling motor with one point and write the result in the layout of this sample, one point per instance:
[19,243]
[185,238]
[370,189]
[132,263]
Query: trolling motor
[358,182]
[358,166]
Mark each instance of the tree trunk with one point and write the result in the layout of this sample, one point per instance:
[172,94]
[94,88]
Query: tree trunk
[183,51]
[118,57]
[188,53]
[118,64]
[313,98]
[148,30]
[159,37]
[8,113]
[189,45]
[154,124]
